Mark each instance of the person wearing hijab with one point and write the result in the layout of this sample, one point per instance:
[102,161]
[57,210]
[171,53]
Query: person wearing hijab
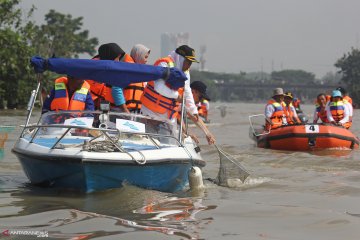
[132,93]
[102,91]
[140,54]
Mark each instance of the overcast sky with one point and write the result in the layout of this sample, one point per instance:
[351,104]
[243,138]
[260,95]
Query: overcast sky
[240,35]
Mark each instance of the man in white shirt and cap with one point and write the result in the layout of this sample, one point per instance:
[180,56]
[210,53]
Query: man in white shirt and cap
[161,97]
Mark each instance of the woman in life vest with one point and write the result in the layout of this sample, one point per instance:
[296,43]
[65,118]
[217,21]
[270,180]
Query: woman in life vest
[132,93]
[320,108]
[274,111]
[69,93]
[289,109]
[102,91]
[337,110]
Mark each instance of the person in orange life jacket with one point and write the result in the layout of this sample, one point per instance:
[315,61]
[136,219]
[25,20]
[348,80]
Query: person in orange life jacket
[337,110]
[110,51]
[345,94]
[69,93]
[203,109]
[201,99]
[199,92]
[161,97]
[296,103]
[320,109]
[132,93]
[289,109]
[348,100]
[274,112]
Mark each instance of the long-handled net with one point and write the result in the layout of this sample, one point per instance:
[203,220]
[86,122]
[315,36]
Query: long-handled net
[230,169]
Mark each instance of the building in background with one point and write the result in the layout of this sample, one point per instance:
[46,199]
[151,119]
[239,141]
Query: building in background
[202,58]
[170,41]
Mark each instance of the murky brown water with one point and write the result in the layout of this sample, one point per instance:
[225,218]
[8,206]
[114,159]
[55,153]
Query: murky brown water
[289,195]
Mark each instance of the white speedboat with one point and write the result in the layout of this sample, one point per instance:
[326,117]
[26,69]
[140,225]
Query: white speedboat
[99,150]
[78,150]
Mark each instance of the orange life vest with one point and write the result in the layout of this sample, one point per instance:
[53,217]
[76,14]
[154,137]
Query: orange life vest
[290,115]
[348,99]
[277,116]
[322,114]
[134,91]
[328,97]
[157,102]
[132,94]
[61,99]
[337,112]
[202,109]
[100,90]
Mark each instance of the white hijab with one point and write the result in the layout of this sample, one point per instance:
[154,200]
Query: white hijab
[138,53]
[178,59]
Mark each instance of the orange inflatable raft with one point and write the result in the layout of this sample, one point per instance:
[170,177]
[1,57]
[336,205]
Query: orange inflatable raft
[307,137]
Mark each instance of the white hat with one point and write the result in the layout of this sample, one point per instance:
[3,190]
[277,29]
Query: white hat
[278,91]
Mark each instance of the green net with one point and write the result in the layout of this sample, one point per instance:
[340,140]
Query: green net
[230,170]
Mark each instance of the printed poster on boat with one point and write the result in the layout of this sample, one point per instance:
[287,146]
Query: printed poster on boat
[130,126]
[80,121]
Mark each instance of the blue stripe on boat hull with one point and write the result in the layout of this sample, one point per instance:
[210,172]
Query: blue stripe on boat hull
[166,177]
[89,176]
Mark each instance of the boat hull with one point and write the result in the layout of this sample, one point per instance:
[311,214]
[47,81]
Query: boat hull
[308,137]
[90,176]
[164,170]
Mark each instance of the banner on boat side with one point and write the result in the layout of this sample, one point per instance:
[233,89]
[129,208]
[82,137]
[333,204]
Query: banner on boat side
[130,126]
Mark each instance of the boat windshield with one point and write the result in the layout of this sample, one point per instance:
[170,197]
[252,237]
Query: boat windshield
[130,126]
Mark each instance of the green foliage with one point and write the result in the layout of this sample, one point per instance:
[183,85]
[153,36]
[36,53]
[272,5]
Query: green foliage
[15,52]
[62,36]
[331,78]
[299,77]
[20,39]
[349,66]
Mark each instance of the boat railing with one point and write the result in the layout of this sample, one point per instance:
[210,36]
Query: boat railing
[34,130]
[257,126]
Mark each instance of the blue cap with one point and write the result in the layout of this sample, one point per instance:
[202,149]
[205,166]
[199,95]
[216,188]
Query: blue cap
[336,93]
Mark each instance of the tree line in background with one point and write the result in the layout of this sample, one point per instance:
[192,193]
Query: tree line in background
[21,38]
[63,36]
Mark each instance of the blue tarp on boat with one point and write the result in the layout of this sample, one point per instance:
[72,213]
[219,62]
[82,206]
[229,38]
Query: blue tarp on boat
[111,72]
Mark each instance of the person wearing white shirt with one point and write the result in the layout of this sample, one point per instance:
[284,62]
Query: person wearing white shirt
[338,112]
[274,111]
[181,58]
